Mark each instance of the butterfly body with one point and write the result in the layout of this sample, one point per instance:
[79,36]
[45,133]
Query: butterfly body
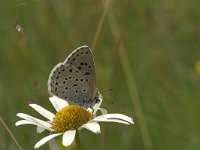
[74,79]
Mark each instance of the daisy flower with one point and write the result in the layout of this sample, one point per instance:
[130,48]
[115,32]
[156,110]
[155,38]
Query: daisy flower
[67,120]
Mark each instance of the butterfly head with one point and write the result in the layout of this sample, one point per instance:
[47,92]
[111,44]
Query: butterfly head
[90,102]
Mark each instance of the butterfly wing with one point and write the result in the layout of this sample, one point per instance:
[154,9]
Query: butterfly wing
[82,59]
[66,82]
[74,79]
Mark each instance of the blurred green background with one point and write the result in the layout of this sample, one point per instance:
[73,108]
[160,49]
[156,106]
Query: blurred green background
[161,39]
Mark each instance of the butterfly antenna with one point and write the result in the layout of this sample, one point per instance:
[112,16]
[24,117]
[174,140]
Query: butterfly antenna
[109,90]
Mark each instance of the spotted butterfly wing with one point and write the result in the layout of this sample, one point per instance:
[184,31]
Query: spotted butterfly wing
[82,59]
[74,80]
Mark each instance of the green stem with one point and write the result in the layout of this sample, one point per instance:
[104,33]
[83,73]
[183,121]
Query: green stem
[78,141]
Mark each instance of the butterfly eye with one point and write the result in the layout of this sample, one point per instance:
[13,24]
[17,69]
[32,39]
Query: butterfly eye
[97,100]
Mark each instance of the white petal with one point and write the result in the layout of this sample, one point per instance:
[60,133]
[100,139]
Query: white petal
[110,120]
[23,122]
[116,120]
[53,145]
[99,118]
[68,137]
[39,129]
[103,111]
[92,126]
[90,110]
[47,114]
[46,139]
[58,103]
[36,121]
[119,116]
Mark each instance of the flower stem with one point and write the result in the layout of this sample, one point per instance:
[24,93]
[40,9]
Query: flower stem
[78,141]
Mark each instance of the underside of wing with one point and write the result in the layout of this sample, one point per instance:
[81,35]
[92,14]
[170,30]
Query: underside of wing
[82,59]
[67,82]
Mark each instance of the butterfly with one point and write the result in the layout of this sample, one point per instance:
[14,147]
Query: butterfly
[74,79]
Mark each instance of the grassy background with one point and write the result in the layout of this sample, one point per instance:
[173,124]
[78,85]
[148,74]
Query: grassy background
[162,41]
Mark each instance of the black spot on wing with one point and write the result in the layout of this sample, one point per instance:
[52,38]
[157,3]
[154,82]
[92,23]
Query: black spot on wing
[74,85]
[87,73]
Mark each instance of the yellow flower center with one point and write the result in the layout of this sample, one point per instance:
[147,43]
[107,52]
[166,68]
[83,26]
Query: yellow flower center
[70,117]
